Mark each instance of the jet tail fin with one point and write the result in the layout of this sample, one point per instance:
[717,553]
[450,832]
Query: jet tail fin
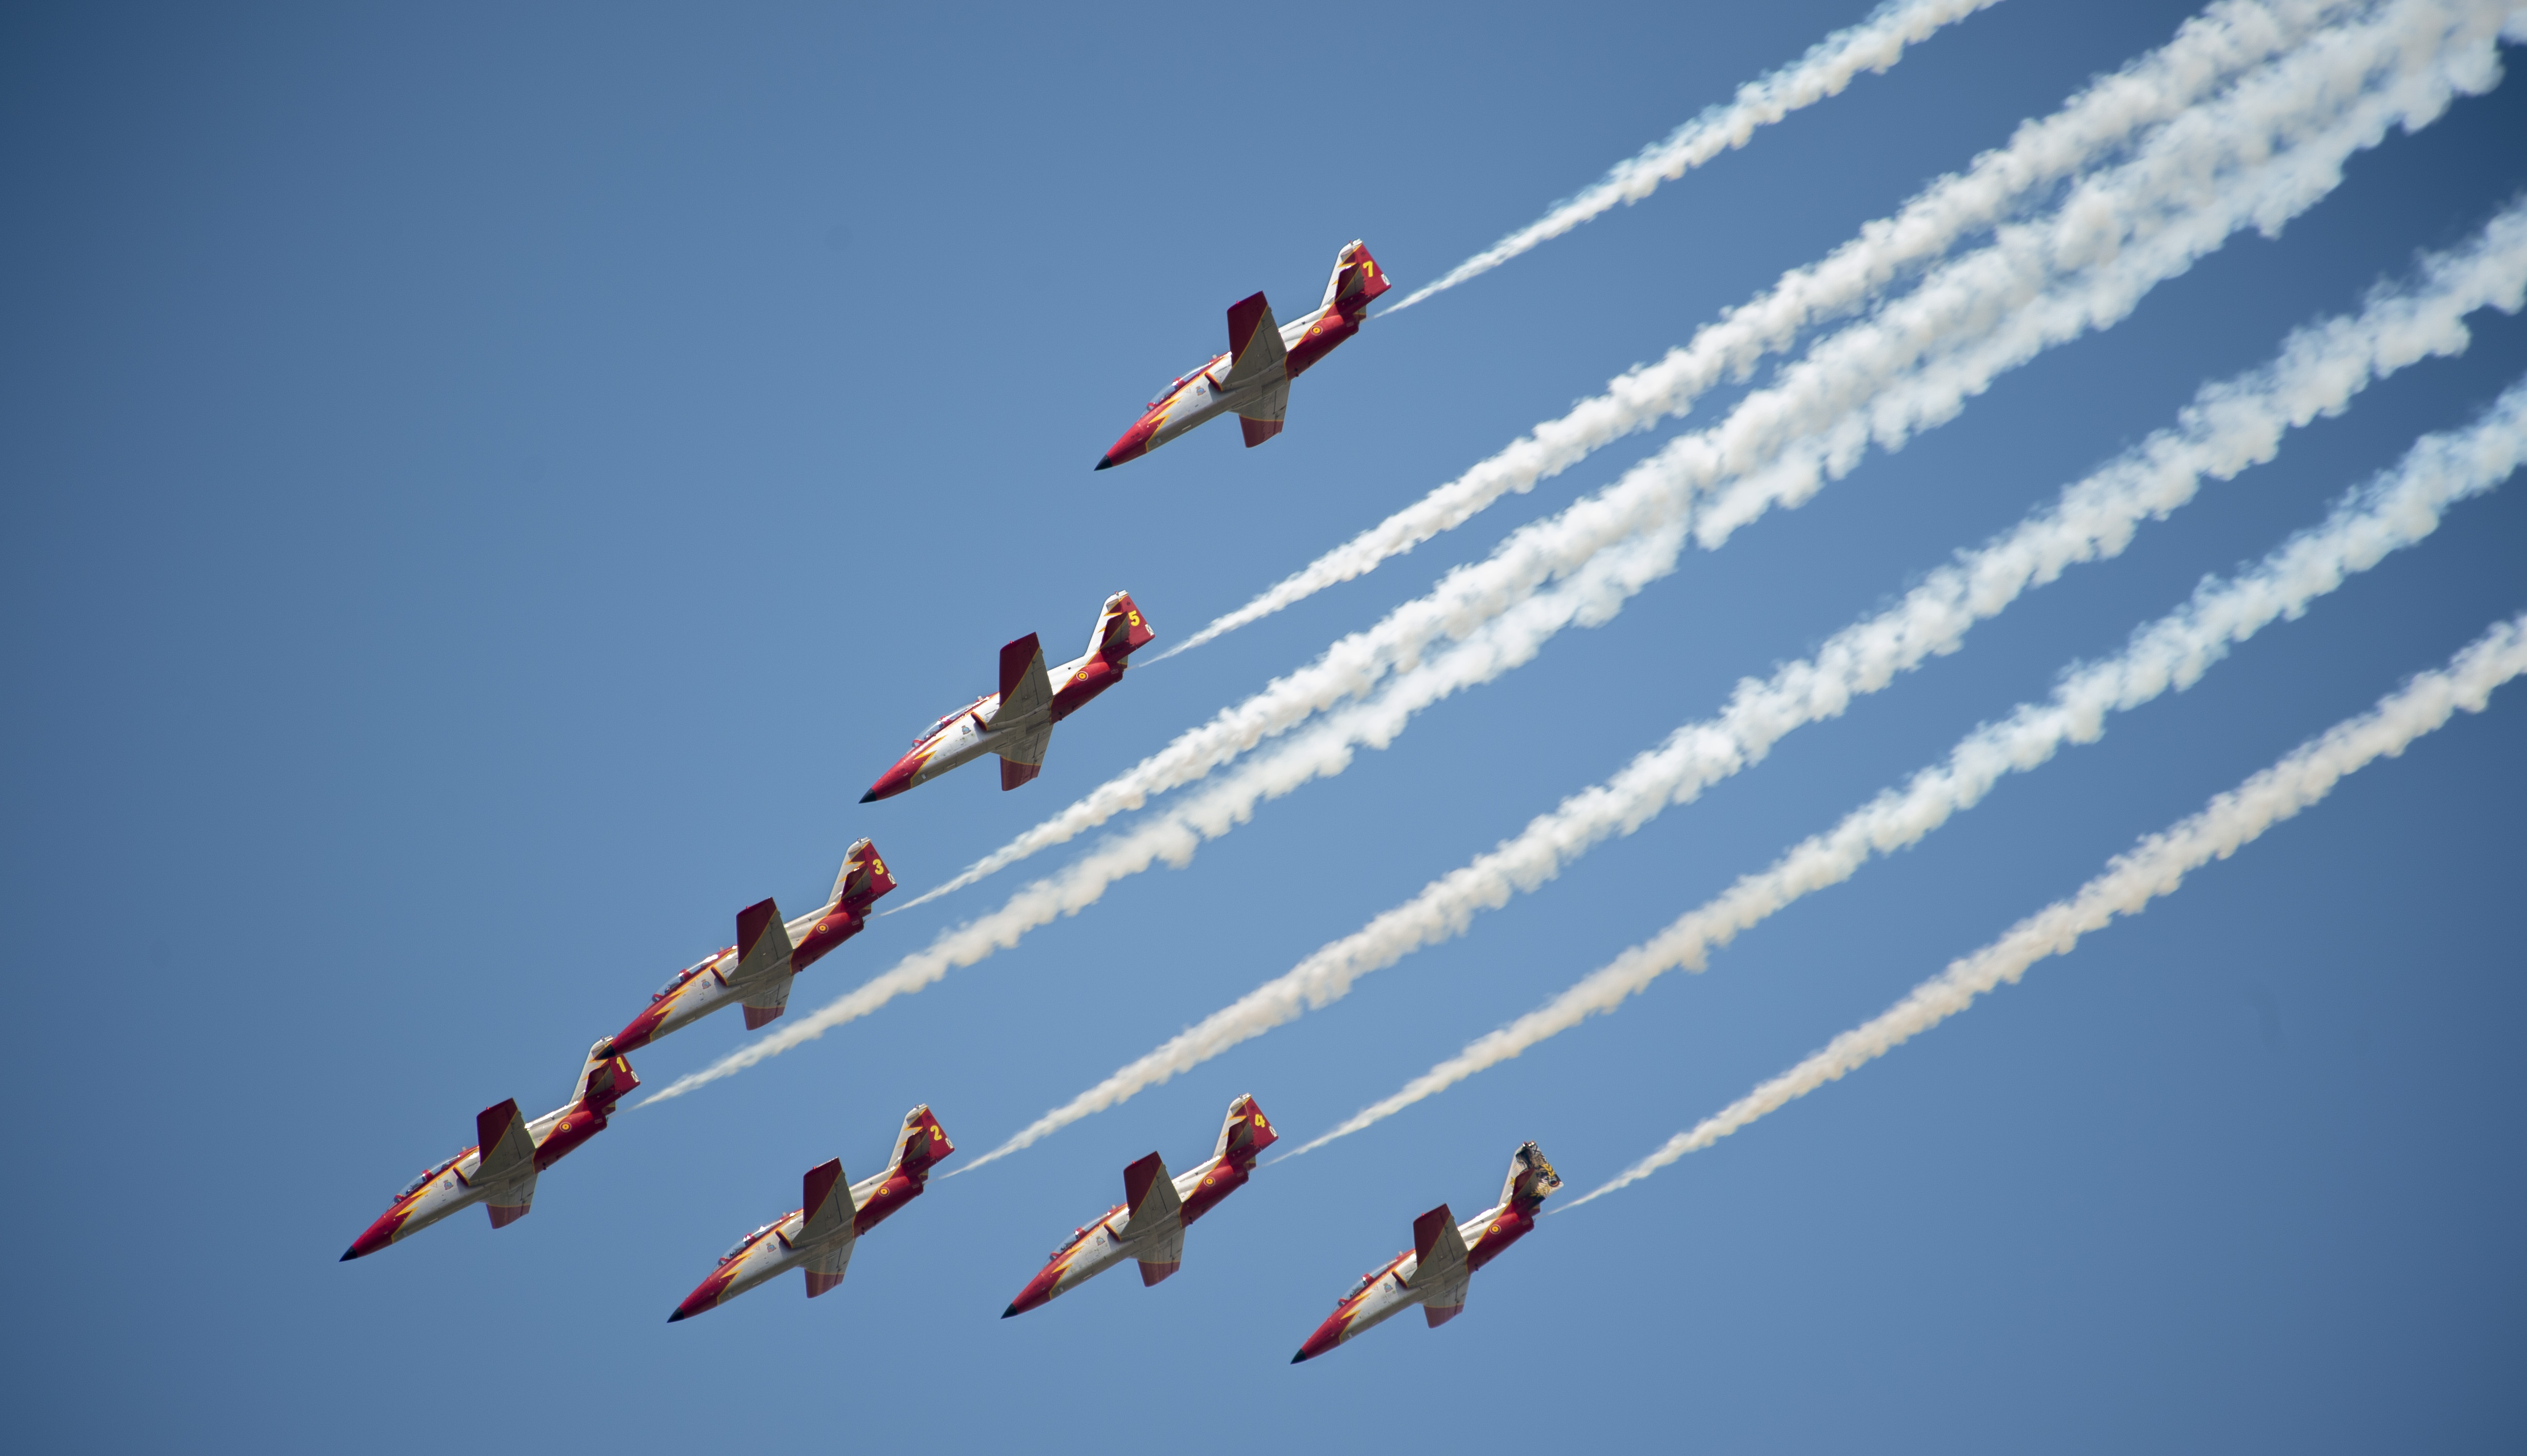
[1244,1133]
[1356,279]
[1530,1181]
[604,1079]
[1120,630]
[863,880]
[922,1144]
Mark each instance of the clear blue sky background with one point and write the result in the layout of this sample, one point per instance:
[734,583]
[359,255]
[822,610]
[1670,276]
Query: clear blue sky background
[487,487]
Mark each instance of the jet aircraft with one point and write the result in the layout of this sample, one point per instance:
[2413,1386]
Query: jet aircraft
[819,1237]
[500,1171]
[1016,723]
[1444,1257]
[755,972]
[1149,1224]
[1252,380]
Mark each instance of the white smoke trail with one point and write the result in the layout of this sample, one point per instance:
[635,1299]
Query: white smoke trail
[2132,880]
[1875,44]
[2266,150]
[2207,52]
[2399,509]
[2281,138]
[2229,426]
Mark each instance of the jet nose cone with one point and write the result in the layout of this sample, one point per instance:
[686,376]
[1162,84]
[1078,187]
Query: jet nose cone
[1299,1358]
[894,781]
[1010,1313]
[681,1314]
[1104,462]
[350,1254]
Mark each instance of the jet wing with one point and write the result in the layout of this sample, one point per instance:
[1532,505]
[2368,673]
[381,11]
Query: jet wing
[1026,691]
[1022,760]
[830,1225]
[763,966]
[1440,1265]
[1025,688]
[1160,1257]
[1150,1195]
[825,1269]
[1255,348]
[506,1163]
[1261,418]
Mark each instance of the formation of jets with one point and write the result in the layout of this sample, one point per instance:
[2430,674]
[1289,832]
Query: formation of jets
[1252,380]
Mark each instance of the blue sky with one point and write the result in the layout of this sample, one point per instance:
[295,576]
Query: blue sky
[489,489]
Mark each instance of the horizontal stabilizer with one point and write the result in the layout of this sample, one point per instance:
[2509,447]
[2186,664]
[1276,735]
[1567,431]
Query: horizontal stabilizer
[1013,773]
[1254,349]
[1025,688]
[1150,1194]
[1437,1315]
[507,1150]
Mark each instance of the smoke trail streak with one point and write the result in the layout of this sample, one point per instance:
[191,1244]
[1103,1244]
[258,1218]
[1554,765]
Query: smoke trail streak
[1875,44]
[2266,150]
[2132,880]
[2207,52]
[2229,426]
[2394,511]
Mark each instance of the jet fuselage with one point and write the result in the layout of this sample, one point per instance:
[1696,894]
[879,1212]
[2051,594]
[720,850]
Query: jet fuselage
[453,1186]
[1157,1242]
[789,1242]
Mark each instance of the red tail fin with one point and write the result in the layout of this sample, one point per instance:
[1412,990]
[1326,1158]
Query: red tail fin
[1358,280]
[863,879]
[1121,630]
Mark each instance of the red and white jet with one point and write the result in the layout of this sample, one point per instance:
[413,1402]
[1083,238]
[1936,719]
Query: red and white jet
[755,972]
[500,1170]
[819,1235]
[1016,723]
[1444,1257]
[1252,380]
[1149,1224]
